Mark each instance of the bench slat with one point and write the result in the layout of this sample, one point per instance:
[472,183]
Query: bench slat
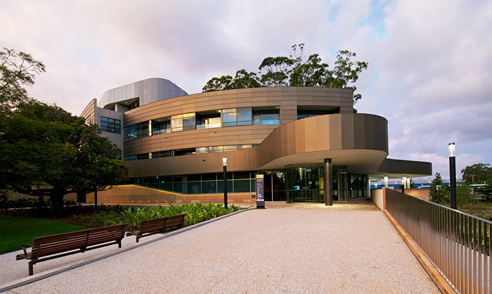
[73,242]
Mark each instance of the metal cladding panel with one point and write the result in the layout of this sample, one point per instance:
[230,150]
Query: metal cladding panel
[288,97]
[302,141]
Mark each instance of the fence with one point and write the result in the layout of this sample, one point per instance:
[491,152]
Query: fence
[457,243]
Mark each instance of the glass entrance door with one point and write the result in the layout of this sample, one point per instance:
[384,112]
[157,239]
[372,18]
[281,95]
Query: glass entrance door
[304,185]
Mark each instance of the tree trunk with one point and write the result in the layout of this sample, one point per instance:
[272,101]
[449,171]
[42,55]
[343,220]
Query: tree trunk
[56,199]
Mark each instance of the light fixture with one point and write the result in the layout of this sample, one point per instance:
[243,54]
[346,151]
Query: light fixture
[452,149]
[224,161]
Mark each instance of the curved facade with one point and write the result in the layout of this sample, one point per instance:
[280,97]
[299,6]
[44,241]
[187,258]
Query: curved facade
[286,133]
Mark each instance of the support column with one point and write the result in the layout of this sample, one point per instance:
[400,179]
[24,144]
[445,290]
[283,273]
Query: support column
[328,183]
[386,181]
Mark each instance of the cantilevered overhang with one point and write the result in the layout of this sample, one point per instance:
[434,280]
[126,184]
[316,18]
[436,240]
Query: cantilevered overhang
[358,141]
[394,168]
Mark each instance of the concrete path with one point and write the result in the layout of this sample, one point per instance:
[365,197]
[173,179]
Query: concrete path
[299,249]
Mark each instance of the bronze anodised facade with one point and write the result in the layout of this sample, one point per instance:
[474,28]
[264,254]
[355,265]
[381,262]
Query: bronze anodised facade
[359,141]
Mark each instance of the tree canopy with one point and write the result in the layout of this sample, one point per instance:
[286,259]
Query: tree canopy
[17,70]
[438,193]
[45,151]
[475,174]
[295,71]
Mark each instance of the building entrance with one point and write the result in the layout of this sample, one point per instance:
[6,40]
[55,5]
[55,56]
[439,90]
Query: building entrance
[306,184]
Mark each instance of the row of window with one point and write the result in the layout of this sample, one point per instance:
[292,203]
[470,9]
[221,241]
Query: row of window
[205,120]
[110,125]
[237,182]
[188,151]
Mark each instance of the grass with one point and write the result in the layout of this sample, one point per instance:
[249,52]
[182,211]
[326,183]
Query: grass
[480,209]
[15,231]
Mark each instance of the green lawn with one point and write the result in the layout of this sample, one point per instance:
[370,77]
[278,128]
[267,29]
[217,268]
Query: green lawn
[15,231]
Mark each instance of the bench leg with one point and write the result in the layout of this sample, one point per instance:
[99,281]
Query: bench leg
[30,268]
[138,238]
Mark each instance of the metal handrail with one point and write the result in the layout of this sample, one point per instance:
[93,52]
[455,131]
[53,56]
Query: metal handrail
[457,243]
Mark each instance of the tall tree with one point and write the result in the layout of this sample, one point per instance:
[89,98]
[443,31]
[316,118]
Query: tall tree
[17,70]
[475,174]
[437,191]
[46,151]
[294,71]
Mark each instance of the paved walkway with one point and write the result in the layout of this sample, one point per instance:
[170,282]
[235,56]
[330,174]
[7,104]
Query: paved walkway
[294,249]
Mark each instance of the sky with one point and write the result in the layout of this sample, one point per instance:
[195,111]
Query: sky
[429,73]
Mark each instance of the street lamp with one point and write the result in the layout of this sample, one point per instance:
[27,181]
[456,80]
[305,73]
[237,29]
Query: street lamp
[224,163]
[452,174]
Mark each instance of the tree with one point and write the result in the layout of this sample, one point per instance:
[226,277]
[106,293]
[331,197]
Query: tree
[475,174]
[293,71]
[17,70]
[44,150]
[437,191]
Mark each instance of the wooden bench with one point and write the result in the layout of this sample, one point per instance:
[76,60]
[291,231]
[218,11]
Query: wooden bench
[55,246]
[158,225]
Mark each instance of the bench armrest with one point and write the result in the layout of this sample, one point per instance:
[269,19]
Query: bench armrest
[25,246]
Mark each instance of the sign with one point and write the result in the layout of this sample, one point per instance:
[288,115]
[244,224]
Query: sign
[260,191]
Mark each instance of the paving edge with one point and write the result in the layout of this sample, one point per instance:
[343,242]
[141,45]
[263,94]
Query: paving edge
[431,270]
[29,280]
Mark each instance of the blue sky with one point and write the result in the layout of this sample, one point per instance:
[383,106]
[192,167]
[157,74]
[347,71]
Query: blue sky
[430,62]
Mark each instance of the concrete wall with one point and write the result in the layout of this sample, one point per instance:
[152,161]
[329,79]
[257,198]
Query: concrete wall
[377,196]
[137,195]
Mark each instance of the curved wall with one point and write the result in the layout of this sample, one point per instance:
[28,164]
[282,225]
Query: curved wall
[149,90]
[356,140]
[287,98]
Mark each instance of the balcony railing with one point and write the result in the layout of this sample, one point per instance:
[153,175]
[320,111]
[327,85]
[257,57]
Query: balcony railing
[458,244]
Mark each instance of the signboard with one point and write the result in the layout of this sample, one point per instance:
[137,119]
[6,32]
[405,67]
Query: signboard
[260,191]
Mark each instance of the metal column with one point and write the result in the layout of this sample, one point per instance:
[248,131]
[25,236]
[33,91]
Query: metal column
[328,183]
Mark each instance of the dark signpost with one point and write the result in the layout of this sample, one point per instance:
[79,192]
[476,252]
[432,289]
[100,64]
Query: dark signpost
[260,189]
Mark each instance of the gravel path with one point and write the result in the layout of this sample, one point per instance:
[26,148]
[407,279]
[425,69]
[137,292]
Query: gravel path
[278,250]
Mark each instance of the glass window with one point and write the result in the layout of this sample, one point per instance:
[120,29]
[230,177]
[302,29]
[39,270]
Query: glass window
[208,119]
[161,126]
[143,129]
[241,175]
[241,185]
[177,123]
[166,153]
[179,152]
[143,156]
[244,116]
[131,157]
[209,177]
[309,111]
[130,132]
[110,125]
[209,187]
[229,117]
[230,148]
[201,150]
[220,186]
[179,184]
[246,146]
[166,183]
[266,115]
[189,121]
[194,187]
[215,149]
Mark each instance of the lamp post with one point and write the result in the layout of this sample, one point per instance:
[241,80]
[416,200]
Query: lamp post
[224,163]
[452,174]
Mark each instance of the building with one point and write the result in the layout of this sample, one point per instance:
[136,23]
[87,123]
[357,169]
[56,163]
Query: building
[299,138]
